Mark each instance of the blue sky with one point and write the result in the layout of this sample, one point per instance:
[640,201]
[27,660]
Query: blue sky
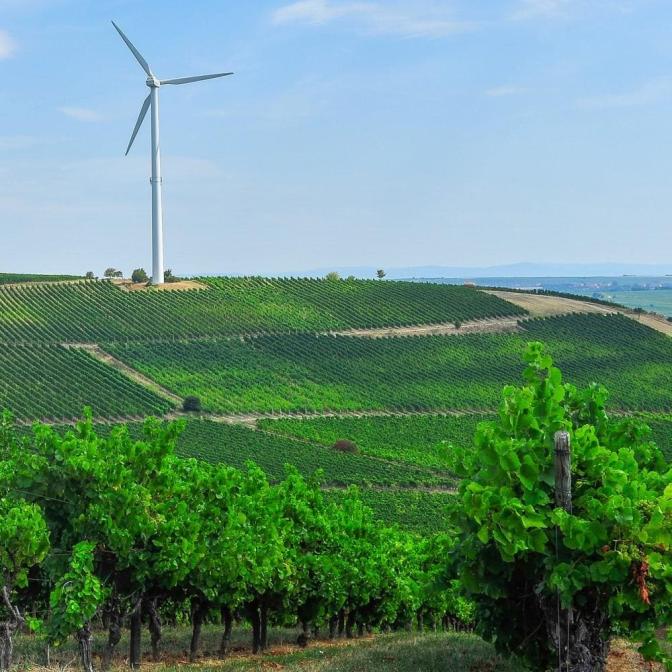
[354,132]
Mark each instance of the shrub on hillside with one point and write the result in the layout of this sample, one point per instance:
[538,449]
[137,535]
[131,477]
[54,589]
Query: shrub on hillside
[191,404]
[345,446]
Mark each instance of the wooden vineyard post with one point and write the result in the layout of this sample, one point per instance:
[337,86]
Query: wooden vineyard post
[563,500]
[563,471]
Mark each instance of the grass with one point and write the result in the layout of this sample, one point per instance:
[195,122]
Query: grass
[400,652]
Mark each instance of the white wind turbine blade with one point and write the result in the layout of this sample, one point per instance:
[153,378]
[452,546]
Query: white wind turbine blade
[138,123]
[197,78]
[136,53]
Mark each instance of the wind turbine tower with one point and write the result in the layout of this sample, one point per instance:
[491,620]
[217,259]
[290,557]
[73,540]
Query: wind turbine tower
[152,101]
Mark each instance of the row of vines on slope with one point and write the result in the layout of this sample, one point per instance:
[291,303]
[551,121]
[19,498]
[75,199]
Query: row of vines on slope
[235,445]
[55,383]
[96,311]
[309,373]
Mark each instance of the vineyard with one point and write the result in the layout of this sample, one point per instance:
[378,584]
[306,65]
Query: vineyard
[96,311]
[53,382]
[11,278]
[310,373]
[103,526]
[413,510]
[415,439]
[217,442]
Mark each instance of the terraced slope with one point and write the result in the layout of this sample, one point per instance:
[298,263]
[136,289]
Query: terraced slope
[96,311]
[308,373]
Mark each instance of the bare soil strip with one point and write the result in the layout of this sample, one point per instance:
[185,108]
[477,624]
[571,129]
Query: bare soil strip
[102,356]
[250,419]
[443,329]
[539,305]
[129,286]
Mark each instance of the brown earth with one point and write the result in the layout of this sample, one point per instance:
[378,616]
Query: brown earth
[543,306]
[129,286]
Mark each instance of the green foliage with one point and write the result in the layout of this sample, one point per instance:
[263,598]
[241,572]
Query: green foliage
[234,445]
[77,595]
[413,510]
[139,275]
[141,522]
[24,541]
[94,311]
[421,440]
[191,404]
[16,278]
[56,382]
[611,555]
[309,373]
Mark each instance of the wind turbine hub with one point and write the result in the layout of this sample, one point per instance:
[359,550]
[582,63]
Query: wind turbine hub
[153,83]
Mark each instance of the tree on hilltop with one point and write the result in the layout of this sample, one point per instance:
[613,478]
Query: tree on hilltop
[139,275]
[112,272]
[380,274]
[332,275]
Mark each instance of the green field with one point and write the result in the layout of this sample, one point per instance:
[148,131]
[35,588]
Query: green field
[11,278]
[53,382]
[236,445]
[416,510]
[309,373]
[415,439]
[97,311]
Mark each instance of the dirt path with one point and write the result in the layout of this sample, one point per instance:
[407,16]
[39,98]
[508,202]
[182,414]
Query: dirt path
[102,356]
[443,329]
[540,305]
[251,419]
[623,657]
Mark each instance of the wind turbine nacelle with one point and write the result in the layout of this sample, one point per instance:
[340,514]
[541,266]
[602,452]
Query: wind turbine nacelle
[153,83]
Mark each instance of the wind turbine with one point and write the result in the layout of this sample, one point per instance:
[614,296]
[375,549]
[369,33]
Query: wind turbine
[153,100]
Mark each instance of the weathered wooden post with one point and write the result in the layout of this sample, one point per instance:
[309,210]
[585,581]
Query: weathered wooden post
[563,471]
[563,500]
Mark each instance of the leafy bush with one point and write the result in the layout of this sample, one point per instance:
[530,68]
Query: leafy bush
[139,275]
[191,404]
[345,446]
[603,568]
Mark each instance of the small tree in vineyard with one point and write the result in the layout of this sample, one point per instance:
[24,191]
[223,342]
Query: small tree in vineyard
[554,586]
